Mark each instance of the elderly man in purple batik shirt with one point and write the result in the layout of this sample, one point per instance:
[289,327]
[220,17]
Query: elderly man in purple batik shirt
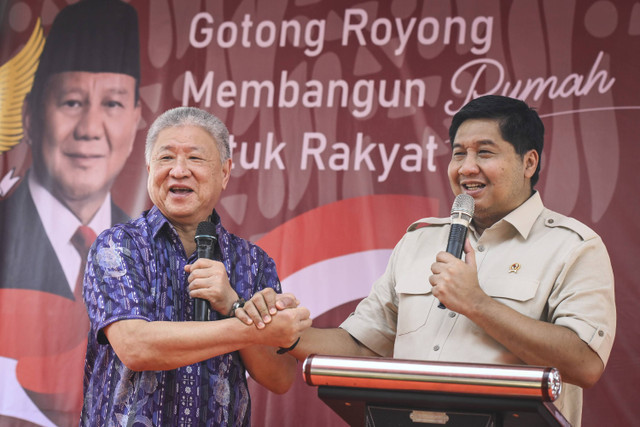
[148,362]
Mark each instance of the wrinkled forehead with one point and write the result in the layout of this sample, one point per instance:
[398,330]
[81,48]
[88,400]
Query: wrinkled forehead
[185,139]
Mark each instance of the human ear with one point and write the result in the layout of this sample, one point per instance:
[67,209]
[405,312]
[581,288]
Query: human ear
[226,172]
[530,162]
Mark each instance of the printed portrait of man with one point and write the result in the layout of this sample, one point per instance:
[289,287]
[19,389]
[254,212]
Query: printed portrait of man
[80,120]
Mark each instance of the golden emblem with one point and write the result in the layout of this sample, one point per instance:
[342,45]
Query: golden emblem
[16,77]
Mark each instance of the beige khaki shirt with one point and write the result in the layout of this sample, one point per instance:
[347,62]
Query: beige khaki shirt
[538,262]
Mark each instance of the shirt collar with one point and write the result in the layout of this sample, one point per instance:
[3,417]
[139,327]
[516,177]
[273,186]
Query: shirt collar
[59,222]
[524,216]
[157,222]
[215,218]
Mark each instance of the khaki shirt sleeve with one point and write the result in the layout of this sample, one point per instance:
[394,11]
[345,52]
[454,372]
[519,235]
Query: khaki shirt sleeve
[375,319]
[583,299]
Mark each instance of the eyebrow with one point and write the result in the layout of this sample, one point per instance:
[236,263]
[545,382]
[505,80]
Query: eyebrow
[63,91]
[171,147]
[481,142]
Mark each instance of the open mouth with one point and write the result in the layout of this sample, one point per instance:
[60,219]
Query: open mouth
[473,186]
[180,190]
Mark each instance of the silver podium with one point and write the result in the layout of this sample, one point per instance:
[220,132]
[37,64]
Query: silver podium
[372,392]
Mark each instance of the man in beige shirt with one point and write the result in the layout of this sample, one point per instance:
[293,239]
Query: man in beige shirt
[534,287]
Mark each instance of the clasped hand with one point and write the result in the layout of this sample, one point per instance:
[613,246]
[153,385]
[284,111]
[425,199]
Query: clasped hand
[263,305]
[281,312]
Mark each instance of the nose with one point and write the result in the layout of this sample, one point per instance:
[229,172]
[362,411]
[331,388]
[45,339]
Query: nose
[180,168]
[469,165]
[90,126]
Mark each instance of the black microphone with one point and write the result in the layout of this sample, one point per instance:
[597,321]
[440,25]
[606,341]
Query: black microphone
[205,240]
[461,215]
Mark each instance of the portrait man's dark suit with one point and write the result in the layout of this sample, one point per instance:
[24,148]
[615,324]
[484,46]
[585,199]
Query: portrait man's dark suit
[27,258]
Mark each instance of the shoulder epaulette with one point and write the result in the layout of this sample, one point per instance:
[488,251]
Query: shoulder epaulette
[427,222]
[556,220]
[417,225]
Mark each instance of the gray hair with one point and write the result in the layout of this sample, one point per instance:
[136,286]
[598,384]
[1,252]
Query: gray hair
[189,116]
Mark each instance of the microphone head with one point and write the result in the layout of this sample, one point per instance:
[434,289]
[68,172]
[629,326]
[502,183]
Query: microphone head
[206,228]
[463,203]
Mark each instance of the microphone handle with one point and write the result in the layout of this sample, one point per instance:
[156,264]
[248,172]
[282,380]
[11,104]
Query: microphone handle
[206,251]
[201,309]
[201,306]
[455,245]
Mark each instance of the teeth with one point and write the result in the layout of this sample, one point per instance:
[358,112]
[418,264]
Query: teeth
[473,186]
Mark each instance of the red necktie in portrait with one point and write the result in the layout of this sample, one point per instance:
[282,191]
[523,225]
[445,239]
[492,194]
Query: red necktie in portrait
[82,240]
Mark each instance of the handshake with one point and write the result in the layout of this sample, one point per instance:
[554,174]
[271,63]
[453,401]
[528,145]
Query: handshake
[279,312]
[278,318]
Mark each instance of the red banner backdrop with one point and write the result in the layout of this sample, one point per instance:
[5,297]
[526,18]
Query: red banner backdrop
[339,112]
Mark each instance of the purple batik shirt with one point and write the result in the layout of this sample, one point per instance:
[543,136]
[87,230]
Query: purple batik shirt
[136,271]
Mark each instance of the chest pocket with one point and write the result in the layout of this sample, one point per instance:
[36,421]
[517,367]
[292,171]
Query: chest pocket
[415,301]
[515,291]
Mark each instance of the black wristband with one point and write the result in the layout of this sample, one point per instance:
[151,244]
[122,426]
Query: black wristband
[236,305]
[283,350]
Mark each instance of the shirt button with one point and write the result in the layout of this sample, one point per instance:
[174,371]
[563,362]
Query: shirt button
[481,248]
[550,221]
[601,333]
[436,347]
[452,314]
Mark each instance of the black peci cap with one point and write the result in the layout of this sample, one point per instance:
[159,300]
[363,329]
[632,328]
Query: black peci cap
[94,36]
